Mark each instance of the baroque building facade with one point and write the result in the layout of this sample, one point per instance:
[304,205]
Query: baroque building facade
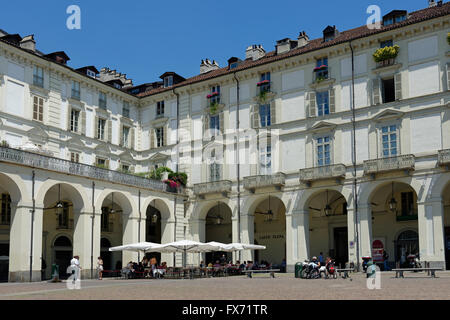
[312,148]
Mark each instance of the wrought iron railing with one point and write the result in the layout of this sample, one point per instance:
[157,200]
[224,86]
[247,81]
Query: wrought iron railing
[404,162]
[261,181]
[212,187]
[321,173]
[444,157]
[33,160]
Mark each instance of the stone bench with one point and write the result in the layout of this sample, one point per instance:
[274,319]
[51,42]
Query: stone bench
[345,271]
[270,271]
[432,271]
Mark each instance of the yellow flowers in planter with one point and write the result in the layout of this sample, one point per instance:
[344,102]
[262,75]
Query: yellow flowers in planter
[386,53]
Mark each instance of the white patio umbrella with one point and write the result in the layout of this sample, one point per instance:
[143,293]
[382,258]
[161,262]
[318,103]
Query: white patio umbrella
[220,246]
[244,246]
[136,247]
[186,246]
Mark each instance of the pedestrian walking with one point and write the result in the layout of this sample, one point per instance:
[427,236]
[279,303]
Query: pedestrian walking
[100,268]
[385,260]
[75,268]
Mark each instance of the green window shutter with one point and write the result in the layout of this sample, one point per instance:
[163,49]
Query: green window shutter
[398,86]
[332,100]
[376,91]
[83,122]
[311,104]
[256,122]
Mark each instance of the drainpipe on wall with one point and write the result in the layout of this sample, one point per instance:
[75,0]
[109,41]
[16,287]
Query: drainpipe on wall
[33,210]
[355,182]
[177,168]
[92,230]
[139,223]
[238,167]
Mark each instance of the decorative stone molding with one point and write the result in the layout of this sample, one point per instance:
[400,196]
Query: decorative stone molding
[404,162]
[276,180]
[336,171]
[223,187]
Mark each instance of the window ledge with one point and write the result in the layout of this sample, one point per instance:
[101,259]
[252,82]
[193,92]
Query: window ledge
[38,89]
[159,121]
[387,68]
[269,96]
[322,84]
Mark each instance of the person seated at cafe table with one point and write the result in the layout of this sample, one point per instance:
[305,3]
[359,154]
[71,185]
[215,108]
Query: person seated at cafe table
[145,261]
[128,271]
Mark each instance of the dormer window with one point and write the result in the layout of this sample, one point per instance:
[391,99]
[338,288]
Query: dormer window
[395,16]
[168,81]
[330,33]
[117,86]
[90,73]
[233,65]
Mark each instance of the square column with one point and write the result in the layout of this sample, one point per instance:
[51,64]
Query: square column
[85,243]
[235,237]
[431,232]
[247,235]
[301,223]
[351,234]
[364,223]
[130,235]
[21,240]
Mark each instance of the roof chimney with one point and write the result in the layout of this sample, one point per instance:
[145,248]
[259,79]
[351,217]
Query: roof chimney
[432,3]
[28,43]
[255,52]
[207,66]
[303,39]
[285,45]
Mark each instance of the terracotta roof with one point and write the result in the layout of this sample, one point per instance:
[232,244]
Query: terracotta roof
[313,45]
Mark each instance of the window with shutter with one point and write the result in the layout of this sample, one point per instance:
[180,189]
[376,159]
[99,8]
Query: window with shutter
[256,123]
[448,76]
[376,91]
[38,108]
[332,101]
[323,103]
[311,104]
[109,124]
[83,122]
[132,137]
[398,86]
[273,113]
[152,138]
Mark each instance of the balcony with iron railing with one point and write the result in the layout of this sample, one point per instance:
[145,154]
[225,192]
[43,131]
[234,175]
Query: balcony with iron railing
[321,77]
[262,181]
[404,162]
[335,171]
[24,158]
[444,158]
[223,186]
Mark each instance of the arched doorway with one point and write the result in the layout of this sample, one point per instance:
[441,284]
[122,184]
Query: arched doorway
[112,229]
[218,228]
[153,229]
[394,210]
[406,243]
[62,253]
[58,222]
[105,244]
[270,230]
[328,226]
[5,222]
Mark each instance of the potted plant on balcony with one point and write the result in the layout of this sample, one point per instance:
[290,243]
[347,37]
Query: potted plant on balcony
[320,68]
[261,83]
[4,144]
[213,107]
[386,56]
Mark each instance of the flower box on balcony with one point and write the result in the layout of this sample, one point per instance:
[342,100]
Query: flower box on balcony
[261,83]
[386,63]
[386,53]
[322,67]
[212,95]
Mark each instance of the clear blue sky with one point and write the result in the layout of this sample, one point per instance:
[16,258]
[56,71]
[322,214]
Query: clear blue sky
[145,38]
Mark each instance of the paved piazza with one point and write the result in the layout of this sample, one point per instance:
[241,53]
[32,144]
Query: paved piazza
[284,287]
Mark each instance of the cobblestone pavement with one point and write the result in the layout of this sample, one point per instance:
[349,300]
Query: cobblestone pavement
[260,287]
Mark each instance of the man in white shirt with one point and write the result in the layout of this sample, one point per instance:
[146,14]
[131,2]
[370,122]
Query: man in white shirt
[75,267]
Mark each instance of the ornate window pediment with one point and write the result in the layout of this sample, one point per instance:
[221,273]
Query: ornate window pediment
[75,142]
[323,126]
[388,115]
[37,135]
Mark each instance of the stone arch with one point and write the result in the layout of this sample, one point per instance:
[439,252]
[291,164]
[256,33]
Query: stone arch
[59,236]
[438,187]
[124,199]
[252,202]
[370,188]
[14,186]
[164,206]
[78,197]
[308,195]
[201,209]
